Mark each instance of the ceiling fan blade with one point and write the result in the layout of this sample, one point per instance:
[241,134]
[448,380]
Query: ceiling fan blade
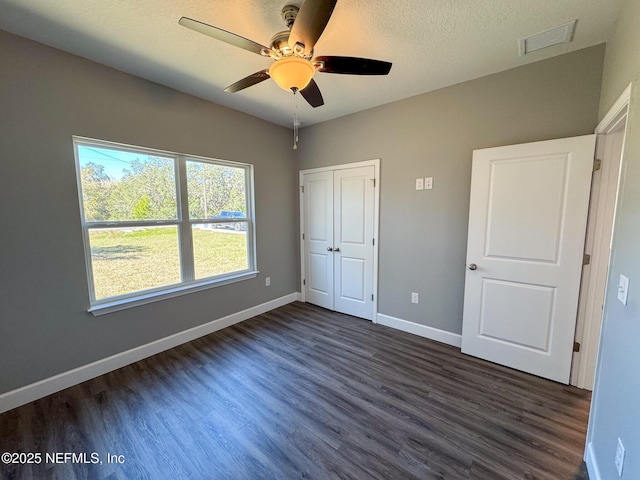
[353,65]
[312,95]
[311,20]
[249,81]
[223,35]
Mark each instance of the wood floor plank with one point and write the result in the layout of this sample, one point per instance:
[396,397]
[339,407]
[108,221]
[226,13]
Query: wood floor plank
[302,392]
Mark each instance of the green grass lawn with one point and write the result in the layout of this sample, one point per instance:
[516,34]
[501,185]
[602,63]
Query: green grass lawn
[126,261]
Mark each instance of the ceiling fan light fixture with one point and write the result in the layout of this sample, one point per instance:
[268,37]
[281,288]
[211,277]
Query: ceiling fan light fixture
[292,73]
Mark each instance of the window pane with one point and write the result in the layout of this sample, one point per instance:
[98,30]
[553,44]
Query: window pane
[216,191]
[127,260]
[119,185]
[218,250]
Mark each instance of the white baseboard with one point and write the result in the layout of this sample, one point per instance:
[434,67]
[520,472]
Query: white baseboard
[422,330]
[592,463]
[42,388]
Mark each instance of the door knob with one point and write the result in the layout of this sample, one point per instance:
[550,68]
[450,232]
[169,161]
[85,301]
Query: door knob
[473,266]
[337,249]
[329,249]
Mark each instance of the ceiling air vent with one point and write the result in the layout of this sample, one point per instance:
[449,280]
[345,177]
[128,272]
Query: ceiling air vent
[555,36]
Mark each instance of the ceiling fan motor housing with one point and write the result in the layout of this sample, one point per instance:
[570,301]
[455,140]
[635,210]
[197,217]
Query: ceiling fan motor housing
[280,43]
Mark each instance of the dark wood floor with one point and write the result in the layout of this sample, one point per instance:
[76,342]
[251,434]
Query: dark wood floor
[301,392]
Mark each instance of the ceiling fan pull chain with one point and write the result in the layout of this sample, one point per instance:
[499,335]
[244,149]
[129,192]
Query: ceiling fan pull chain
[296,122]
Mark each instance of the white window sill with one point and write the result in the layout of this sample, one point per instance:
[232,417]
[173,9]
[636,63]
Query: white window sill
[144,299]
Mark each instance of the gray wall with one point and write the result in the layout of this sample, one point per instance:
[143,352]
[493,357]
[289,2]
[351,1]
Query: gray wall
[423,234]
[615,411]
[46,96]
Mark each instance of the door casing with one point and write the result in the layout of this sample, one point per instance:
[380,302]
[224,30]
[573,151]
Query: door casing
[605,195]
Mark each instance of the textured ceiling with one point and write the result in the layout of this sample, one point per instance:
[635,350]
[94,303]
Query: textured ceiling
[432,43]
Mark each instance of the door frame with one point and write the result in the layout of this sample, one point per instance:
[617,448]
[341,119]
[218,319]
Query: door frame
[593,285]
[376,220]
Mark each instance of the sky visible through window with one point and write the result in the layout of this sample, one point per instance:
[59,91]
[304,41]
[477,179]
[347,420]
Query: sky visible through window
[115,162]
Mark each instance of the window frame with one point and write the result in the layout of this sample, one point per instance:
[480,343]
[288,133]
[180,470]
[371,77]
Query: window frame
[184,226]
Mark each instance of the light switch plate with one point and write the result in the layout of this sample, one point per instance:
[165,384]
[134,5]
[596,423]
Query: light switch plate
[428,183]
[623,289]
[419,183]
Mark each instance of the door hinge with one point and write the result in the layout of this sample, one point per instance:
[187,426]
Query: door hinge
[576,346]
[302,188]
[372,297]
[374,182]
[304,281]
[597,164]
[586,259]
[374,241]
[303,236]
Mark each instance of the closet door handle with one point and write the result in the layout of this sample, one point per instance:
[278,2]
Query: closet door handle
[329,249]
[337,249]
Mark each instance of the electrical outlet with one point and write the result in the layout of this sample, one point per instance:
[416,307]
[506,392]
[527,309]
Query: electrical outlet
[419,183]
[428,183]
[267,282]
[619,457]
[415,297]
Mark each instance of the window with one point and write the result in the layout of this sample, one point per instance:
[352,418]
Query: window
[159,224]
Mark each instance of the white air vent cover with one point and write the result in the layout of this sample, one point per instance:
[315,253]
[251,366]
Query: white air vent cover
[555,36]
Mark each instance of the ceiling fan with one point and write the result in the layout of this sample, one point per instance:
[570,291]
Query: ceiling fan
[292,51]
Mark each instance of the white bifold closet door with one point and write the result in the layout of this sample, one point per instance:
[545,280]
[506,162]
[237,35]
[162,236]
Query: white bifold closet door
[339,240]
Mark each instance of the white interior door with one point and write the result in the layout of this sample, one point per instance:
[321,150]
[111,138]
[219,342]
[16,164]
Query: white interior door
[527,221]
[338,247]
[353,241]
[318,243]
